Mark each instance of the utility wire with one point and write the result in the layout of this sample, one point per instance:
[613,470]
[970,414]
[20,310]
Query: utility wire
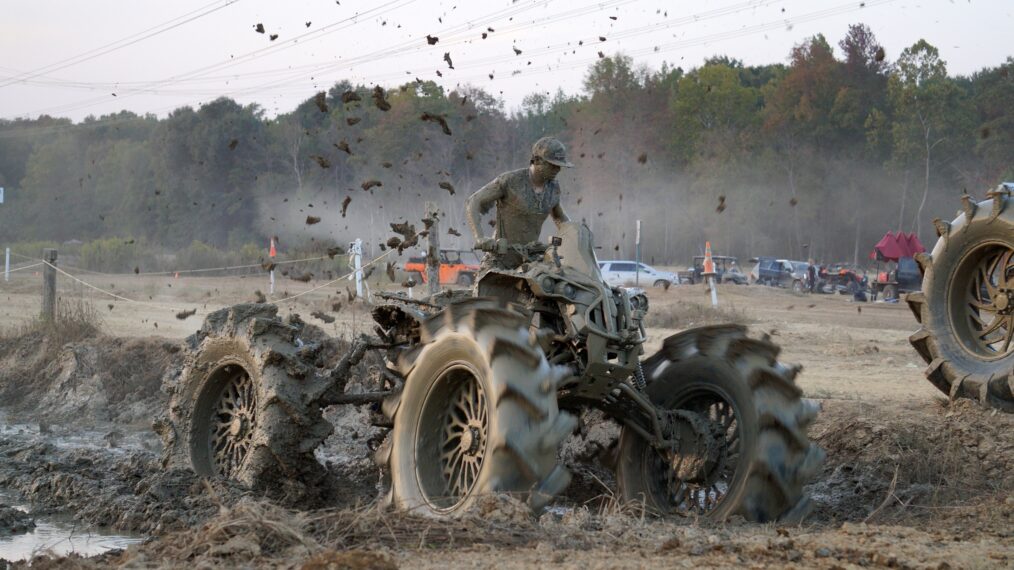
[119,44]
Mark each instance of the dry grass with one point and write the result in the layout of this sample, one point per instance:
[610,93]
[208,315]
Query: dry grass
[75,320]
[686,314]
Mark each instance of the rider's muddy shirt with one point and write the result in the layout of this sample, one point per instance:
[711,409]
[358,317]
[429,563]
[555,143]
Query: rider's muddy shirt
[520,210]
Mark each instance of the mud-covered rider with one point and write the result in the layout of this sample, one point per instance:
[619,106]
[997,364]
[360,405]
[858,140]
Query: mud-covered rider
[523,198]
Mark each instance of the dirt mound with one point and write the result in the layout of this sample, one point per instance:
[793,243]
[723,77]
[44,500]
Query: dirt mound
[920,460]
[94,379]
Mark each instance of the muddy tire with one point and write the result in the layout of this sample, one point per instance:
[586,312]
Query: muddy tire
[752,401]
[797,287]
[966,306]
[477,415]
[245,405]
[466,279]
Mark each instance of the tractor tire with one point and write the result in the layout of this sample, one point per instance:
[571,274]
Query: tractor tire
[966,306]
[477,415]
[245,404]
[752,400]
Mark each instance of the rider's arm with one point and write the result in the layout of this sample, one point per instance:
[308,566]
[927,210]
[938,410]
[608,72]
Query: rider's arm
[480,203]
[559,216]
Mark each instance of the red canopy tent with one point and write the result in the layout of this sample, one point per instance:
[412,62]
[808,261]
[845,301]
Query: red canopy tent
[891,247]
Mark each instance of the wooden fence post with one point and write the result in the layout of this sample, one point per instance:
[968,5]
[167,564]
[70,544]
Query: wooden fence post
[49,285]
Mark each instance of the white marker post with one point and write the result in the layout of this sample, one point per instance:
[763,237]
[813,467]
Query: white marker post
[356,254]
[7,265]
[637,256]
[709,272]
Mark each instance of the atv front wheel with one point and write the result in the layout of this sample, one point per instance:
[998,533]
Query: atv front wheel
[244,406]
[477,415]
[966,306]
[754,410]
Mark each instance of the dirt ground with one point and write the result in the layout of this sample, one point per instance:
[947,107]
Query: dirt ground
[911,480]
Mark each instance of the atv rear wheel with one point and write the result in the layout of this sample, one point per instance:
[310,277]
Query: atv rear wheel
[755,411]
[477,415]
[966,306]
[245,405]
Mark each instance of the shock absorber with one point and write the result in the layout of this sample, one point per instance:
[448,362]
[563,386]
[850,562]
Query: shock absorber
[639,378]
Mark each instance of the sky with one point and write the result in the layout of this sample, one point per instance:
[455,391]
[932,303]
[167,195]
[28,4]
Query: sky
[70,58]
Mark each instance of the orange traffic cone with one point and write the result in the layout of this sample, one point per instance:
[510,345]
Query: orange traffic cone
[709,263]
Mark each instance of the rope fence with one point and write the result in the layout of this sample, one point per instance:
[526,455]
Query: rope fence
[163,306]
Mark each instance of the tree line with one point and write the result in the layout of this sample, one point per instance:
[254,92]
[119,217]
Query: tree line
[816,157]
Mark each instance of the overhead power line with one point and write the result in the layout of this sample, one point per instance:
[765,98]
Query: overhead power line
[121,43]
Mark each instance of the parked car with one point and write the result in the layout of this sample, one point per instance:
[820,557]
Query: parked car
[779,273]
[456,266]
[620,273]
[726,270]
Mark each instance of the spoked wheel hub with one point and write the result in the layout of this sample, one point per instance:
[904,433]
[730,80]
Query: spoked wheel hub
[982,301]
[231,425]
[697,475]
[457,409]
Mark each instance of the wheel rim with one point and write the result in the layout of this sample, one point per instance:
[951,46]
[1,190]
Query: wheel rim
[688,498]
[982,301]
[452,437]
[233,416]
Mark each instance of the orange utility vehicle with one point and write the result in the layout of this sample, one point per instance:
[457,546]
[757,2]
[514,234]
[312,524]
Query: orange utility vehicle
[456,266]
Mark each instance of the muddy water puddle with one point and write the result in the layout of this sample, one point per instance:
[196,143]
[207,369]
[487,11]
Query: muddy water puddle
[60,534]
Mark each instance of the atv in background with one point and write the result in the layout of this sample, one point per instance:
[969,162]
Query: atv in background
[845,279]
[726,270]
[456,267]
[903,278]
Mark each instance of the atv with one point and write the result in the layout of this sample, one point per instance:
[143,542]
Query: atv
[483,386]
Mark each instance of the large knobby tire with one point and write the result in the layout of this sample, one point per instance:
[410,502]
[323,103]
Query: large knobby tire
[477,415]
[245,405]
[966,306]
[753,405]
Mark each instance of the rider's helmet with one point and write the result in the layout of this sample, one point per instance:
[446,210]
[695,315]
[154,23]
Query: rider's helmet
[552,151]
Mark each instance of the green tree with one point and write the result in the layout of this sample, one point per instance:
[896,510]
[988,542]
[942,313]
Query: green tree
[712,104]
[929,111]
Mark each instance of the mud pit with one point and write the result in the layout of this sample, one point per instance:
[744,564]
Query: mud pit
[910,480]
